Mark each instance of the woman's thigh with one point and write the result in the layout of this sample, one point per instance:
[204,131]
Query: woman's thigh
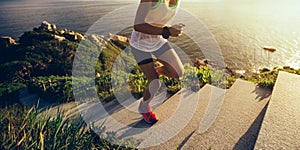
[141,57]
[171,62]
[149,70]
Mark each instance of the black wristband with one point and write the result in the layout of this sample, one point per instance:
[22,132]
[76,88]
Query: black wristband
[166,32]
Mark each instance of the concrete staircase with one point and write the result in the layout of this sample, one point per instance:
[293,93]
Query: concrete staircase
[210,118]
[237,124]
[281,126]
[179,114]
[243,117]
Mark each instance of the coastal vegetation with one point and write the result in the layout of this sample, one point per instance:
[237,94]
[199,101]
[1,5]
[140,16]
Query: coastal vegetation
[268,78]
[41,61]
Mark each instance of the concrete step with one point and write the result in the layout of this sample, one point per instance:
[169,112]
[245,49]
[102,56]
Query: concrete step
[281,125]
[179,116]
[175,128]
[238,122]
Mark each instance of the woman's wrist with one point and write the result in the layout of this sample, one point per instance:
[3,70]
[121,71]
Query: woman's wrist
[166,32]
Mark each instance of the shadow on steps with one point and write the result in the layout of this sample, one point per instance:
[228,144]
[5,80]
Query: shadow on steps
[180,146]
[248,140]
[261,93]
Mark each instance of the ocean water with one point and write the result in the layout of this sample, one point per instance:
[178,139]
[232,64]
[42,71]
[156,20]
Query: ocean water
[241,28]
[19,16]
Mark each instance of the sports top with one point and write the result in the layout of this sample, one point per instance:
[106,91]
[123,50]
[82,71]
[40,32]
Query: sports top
[160,15]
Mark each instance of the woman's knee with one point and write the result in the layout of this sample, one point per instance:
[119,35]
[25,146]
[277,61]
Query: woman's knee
[154,85]
[172,63]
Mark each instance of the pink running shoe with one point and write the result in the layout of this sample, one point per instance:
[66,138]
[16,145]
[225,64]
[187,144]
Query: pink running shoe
[148,114]
[150,117]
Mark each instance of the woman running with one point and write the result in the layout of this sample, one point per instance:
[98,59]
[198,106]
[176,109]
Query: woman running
[149,38]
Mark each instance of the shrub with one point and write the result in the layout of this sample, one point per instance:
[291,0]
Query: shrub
[11,70]
[60,88]
[195,78]
[104,87]
[52,88]
[137,83]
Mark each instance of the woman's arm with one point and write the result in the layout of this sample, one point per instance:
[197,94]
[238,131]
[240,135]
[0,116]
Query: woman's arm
[141,26]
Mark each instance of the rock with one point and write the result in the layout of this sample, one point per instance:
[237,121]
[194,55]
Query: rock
[97,75]
[94,38]
[229,71]
[118,37]
[268,48]
[207,62]
[203,62]
[53,26]
[288,68]
[73,36]
[7,41]
[59,38]
[242,72]
[61,31]
[264,70]
[97,39]
[62,34]
[47,26]
[79,36]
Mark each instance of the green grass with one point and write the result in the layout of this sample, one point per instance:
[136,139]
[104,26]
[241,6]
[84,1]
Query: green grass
[59,88]
[24,128]
[268,79]
[44,65]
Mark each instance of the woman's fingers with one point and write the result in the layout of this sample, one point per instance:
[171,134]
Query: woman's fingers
[175,32]
[178,26]
[177,29]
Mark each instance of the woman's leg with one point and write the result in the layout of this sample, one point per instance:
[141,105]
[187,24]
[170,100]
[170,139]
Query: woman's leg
[172,65]
[146,64]
[151,89]
[153,84]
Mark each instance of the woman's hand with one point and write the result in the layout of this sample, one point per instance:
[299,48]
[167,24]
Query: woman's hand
[177,29]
